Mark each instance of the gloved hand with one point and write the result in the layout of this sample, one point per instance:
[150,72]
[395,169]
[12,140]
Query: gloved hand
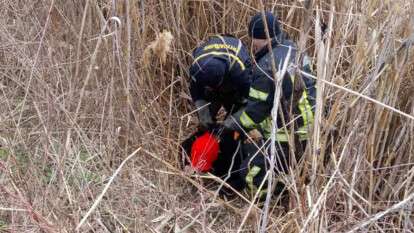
[230,124]
[204,115]
[254,135]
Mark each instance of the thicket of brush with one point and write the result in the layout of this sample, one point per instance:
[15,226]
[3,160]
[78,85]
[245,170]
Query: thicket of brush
[80,92]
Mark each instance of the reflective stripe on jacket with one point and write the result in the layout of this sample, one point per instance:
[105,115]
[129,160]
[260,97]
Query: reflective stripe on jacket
[236,59]
[257,113]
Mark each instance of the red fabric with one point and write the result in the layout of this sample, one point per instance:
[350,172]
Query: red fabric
[204,152]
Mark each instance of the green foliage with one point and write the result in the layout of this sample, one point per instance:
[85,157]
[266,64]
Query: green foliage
[4,154]
[3,225]
[84,155]
[47,174]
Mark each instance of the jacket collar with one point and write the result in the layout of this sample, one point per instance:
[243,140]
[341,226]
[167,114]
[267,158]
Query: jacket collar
[275,42]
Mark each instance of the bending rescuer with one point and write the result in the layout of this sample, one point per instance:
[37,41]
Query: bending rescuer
[219,77]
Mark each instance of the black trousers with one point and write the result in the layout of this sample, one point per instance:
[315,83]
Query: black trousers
[257,162]
[248,164]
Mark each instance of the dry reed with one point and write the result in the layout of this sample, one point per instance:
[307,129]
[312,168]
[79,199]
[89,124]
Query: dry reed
[76,100]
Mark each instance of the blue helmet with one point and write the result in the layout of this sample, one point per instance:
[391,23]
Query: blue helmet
[257,26]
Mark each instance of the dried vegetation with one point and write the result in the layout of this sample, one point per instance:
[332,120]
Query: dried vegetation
[81,91]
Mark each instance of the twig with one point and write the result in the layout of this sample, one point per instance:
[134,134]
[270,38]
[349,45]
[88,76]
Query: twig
[381,214]
[99,198]
[411,117]
[327,187]
[13,209]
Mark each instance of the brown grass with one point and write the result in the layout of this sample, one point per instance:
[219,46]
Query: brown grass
[76,101]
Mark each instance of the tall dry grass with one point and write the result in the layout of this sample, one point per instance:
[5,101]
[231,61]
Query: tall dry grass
[77,98]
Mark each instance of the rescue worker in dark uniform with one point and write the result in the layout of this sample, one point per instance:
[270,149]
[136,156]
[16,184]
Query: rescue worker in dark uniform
[296,104]
[219,77]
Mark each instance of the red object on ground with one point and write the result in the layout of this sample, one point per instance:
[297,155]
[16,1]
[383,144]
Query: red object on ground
[204,152]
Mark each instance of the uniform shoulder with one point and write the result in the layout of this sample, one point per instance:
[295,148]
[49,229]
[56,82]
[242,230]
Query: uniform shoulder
[281,51]
[285,44]
[225,44]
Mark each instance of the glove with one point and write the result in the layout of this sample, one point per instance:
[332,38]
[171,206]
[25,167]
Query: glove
[229,123]
[204,115]
[254,135]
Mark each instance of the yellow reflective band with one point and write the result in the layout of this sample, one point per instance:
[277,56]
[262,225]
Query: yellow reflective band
[250,175]
[250,184]
[305,110]
[262,193]
[303,133]
[302,130]
[307,116]
[282,137]
[246,121]
[215,53]
[260,95]
[220,46]
[236,52]
[266,127]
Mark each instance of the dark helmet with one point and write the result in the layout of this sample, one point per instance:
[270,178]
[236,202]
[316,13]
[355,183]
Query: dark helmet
[257,26]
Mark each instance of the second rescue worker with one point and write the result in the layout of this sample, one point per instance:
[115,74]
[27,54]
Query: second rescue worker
[219,77]
[296,104]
